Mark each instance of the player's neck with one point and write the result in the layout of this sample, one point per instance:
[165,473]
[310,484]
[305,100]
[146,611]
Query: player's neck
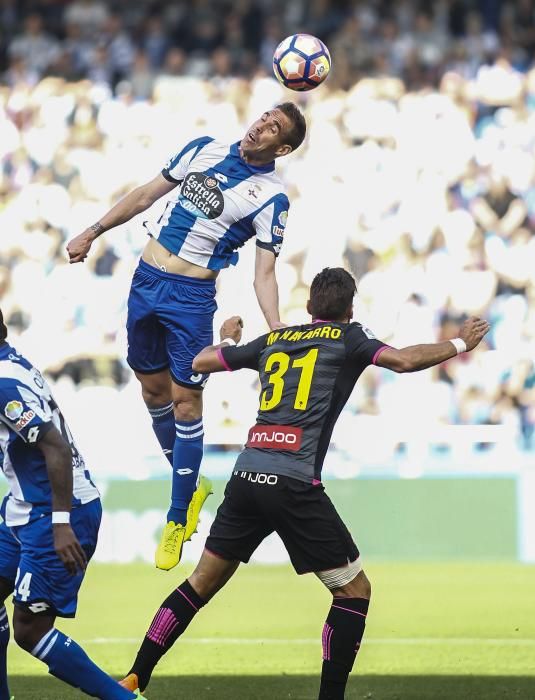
[255,162]
[331,320]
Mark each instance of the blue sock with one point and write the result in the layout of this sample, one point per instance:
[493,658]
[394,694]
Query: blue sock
[69,662]
[4,639]
[187,456]
[163,424]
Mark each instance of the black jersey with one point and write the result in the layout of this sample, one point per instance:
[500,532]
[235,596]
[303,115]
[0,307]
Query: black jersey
[307,374]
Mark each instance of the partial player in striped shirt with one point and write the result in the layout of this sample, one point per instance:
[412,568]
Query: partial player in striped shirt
[220,196]
[51,518]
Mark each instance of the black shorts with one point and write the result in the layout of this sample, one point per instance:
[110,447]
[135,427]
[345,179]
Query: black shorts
[255,505]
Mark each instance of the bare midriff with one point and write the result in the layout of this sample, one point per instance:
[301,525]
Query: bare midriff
[156,255]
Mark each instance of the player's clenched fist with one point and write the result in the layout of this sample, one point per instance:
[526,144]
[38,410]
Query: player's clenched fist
[80,245]
[232,328]
[473,330]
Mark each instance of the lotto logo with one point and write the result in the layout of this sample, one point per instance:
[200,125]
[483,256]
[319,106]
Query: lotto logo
[278,437]
[37,608]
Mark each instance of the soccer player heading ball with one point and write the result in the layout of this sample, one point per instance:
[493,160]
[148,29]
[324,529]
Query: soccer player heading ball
[223,195]
[307,374]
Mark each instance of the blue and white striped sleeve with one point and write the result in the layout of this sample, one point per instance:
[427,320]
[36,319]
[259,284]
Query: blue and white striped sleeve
[177,166]
[270,224]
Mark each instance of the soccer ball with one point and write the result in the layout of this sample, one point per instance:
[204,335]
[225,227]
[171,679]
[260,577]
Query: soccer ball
[301,62]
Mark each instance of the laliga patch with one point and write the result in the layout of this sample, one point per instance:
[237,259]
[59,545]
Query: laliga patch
[368,333]
[13,410]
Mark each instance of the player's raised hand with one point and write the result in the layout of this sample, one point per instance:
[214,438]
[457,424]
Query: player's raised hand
[69,549]
[473,330]
[232,328]
[80,246]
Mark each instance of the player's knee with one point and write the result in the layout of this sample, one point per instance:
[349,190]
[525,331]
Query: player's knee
[155,389]
[187,405]
[155,397]
[25,634]
[359,587]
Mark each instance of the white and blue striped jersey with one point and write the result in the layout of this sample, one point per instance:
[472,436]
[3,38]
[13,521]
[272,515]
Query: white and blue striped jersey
[27,412]
[221,203]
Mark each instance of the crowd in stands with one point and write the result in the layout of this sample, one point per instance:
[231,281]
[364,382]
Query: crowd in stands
[417,174]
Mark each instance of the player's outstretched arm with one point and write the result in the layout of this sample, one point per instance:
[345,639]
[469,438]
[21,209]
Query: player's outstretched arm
[58,456]
[266,288]
[133,203]
[209,359]
[417,357]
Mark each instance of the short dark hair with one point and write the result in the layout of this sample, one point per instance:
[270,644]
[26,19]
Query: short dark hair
[3,328]
[296,135]
[331,293]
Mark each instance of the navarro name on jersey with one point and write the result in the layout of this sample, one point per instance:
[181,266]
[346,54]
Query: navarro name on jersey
[293,336]
[201,196]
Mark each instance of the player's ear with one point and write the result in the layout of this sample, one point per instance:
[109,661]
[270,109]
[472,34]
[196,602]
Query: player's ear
[309,307]
[350,314]
[283,150]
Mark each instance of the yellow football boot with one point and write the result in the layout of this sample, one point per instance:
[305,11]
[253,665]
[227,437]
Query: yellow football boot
[201,493]
[169,550]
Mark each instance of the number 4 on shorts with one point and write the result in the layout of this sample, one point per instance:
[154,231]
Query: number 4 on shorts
[23,588]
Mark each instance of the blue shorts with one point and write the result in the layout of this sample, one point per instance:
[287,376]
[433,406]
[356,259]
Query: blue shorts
[29,561]
[170,320]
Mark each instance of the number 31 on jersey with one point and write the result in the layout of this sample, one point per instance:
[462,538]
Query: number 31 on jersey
[277,365]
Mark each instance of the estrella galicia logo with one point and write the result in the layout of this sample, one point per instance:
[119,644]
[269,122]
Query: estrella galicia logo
[201,196]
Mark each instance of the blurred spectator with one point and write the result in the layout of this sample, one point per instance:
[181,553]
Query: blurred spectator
[155,41]
[89,15]
[34,46]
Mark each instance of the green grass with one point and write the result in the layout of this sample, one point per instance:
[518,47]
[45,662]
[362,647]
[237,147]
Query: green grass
[442,631]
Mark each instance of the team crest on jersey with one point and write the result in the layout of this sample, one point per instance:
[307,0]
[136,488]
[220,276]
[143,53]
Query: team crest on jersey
[283,218]
[201,196]
[253,191]
[13,410]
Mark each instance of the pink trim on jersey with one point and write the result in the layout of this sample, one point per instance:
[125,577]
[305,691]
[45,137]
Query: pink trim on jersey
[222,360]
[316,482]
[382,349]
[321,320]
